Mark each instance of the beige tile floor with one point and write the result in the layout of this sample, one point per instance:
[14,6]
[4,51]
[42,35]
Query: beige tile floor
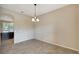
[35,47]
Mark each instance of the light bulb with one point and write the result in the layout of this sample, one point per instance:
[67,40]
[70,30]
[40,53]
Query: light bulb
[33,20]
[37,20]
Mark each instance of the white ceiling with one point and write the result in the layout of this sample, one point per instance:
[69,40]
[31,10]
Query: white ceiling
[29,8]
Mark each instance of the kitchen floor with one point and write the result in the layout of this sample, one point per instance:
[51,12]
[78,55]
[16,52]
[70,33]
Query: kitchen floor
[35,47]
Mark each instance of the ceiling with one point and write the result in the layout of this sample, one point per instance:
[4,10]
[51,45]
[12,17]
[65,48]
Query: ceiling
[28,9]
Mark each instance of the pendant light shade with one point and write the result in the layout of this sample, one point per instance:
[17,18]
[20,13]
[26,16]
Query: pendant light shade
[35,19]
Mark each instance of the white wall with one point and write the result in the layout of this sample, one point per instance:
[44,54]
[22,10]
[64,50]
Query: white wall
[23,26]
[59,27]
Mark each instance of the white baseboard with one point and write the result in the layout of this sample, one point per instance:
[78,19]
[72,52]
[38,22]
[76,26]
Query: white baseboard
[60,45]
[21,41]
[66,47]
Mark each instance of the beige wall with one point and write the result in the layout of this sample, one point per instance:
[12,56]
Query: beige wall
[23,26]
[78,26]
[0,39]
[59,27]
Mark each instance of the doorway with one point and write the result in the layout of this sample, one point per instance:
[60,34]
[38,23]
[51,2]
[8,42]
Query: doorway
[6,34]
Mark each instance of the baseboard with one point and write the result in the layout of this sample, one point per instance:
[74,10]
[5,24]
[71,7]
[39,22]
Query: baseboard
[21,41]
[60,45]
[66,47]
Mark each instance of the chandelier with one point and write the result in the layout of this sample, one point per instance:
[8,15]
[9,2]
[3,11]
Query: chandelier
[35,19]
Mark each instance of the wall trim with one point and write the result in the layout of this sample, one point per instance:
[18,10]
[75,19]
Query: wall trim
[60,45]
[15,42]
